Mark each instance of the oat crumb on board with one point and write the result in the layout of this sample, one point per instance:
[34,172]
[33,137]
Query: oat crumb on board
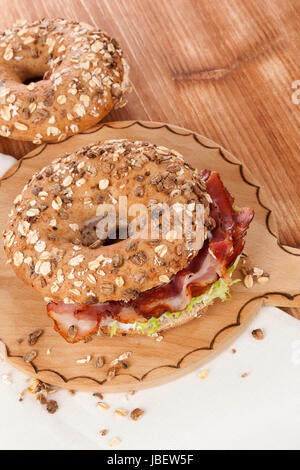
[99,362]
[253,274]
[111,373]
[123,357]
[34,337]
[85,360]
[30,356]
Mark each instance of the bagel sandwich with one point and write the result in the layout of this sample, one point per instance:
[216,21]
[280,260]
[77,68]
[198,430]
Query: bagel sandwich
[98,282]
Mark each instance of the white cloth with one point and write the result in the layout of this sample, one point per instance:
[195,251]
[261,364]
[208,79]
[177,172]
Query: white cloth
[6,161]
[224,411]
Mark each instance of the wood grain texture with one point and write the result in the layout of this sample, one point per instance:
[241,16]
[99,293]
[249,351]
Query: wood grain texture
[223,68]
[183,349]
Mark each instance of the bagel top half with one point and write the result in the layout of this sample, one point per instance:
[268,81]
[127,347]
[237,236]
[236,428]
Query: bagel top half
[57,78]
[47,239]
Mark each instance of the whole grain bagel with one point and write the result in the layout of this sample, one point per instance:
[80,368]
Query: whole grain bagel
[57,78]
[49,239]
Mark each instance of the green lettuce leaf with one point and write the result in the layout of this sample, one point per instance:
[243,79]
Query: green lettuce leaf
[113,329]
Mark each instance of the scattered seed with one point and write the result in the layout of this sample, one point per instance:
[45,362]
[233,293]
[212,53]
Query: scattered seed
[85,360]
[34,387]
[6,379]
[103,432]
[258,334]
[123,357]
[52,406]
[103,405]
[111,373]
[121,412]
[98,395]
[203,374]
[30,356]
[21,395]
[258,272]
[114,442]
[136,414]
[245,375]
[41,397]
[34,337]
[248,281]
[263,280]
[99,362]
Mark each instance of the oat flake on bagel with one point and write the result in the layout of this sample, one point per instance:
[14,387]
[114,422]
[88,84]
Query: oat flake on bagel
[51,247]
[57,78]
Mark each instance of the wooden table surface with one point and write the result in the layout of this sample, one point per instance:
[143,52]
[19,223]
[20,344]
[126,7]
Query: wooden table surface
[223,68]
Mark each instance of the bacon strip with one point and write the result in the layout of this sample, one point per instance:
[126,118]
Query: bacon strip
[212,262]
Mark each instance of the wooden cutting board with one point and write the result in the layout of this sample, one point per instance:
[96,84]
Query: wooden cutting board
[183,349]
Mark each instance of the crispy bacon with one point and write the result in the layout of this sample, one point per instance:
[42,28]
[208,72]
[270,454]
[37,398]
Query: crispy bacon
[213,260]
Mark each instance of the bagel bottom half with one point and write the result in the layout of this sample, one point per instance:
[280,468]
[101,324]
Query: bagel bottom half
[218,291]
[165,323]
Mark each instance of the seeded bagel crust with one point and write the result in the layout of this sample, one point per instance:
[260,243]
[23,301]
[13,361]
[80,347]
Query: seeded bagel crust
[84,78]
[47,241]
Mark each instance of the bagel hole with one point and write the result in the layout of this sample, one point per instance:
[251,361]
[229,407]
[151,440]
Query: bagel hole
[32,79]
[111,239]
[90,238]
